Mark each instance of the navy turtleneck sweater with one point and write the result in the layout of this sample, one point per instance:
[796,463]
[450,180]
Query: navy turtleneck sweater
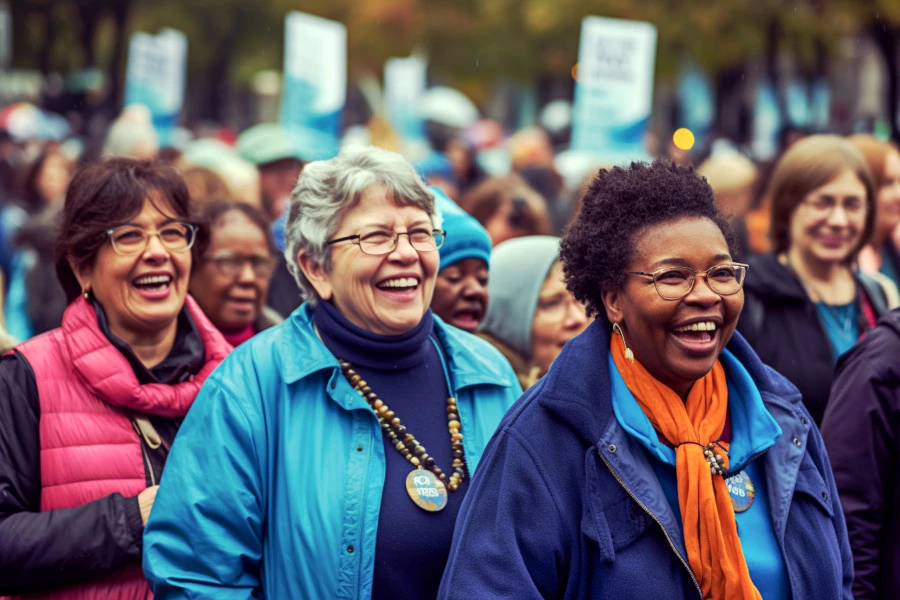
[405,371]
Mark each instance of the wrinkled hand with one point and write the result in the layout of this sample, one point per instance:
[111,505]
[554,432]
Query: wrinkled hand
[145,501]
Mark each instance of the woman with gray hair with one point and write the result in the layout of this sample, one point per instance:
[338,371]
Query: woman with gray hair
[328,457]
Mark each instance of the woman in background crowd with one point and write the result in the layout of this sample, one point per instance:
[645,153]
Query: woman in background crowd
[860,432]
[531,314]
[88,411]
[659,457]
[321,483]
[231,279]
[806,304]
[46,181]
[461,288]
[507,208]
[35,302]
[881,253]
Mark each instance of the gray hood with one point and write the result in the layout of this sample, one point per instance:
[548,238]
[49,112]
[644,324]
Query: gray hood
[518,269]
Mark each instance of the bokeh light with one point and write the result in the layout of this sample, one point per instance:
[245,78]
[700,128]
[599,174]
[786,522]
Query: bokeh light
[683,138]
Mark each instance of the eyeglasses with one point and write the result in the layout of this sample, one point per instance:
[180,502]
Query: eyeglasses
[825,205]
[129,240]
[381,242]
[674,283]
[231,265]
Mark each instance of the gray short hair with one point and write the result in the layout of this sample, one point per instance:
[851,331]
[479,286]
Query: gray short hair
[327,189]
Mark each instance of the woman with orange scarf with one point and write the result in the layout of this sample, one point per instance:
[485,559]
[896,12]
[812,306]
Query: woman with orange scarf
[659,457]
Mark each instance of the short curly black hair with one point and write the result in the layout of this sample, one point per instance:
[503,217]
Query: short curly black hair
[618,205]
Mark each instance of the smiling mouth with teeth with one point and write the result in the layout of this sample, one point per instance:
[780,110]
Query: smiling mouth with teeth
[399,284]
[703,331]
[153,283]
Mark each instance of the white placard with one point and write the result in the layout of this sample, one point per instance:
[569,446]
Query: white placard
[405,80]
[155,76]
[315,80]
[614,88]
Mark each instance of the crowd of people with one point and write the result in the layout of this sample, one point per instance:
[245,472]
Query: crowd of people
[230,371]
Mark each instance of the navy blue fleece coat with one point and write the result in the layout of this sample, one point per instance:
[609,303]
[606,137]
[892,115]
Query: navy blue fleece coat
[565,503]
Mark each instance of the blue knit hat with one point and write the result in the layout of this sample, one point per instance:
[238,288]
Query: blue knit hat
[466,238]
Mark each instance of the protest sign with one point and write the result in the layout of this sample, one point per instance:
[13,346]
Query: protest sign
[315,82]
[155,77]
[614,88]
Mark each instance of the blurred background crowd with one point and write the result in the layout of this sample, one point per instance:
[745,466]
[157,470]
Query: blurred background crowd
[789,110]
[496,118]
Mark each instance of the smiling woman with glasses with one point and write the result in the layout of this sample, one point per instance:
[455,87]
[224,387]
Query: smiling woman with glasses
[345,438]
[231,279]
[89,411]
[807,303]
[658,457]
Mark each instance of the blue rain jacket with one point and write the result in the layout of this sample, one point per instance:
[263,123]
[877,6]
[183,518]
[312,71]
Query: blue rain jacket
[273,486]
[566,503]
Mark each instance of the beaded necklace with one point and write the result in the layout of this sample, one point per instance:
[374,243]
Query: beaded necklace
[427,484]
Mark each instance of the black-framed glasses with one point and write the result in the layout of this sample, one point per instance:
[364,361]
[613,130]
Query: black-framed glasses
[674,283]
[382,242]
[129,240]
[231,265]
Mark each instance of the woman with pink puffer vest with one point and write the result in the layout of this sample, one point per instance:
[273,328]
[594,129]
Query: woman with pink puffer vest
[89,411]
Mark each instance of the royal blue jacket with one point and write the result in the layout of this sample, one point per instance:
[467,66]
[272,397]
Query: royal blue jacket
[273,486]
[566,503]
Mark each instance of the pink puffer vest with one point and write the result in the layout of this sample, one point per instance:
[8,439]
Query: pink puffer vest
[89,449]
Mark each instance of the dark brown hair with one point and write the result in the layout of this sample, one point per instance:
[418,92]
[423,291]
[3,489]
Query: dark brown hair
[215,210]
[529,209]
[103,196]
[805,166]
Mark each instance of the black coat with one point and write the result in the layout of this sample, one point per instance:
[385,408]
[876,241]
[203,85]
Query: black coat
[284,294]
[861,430]
[41,551]
[783,326]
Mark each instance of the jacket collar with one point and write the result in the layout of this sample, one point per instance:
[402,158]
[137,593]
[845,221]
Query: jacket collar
[769,279]
[577,391]
[466,361]
[577,388]
[106,371]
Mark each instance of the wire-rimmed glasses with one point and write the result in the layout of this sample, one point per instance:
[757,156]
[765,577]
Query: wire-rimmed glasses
[129,240]
[231,265]
[674,283]
[382,242]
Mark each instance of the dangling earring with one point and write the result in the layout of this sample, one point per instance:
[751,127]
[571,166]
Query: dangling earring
[629,355]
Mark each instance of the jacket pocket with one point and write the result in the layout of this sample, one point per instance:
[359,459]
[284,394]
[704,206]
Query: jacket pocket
[811,484]
[610,516]
[811,543]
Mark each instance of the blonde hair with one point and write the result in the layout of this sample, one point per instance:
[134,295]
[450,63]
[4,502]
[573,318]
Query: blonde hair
[728,172]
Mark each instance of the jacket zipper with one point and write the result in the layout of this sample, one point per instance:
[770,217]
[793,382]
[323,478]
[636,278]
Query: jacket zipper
[144,453]
[652,516]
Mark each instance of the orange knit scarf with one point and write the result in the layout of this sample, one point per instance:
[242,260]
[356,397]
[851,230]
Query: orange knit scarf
[710,531]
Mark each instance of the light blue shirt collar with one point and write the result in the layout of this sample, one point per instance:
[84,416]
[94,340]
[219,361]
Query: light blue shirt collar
[753,429]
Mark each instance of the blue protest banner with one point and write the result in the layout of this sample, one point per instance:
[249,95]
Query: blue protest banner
[614,88]
[315,82]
